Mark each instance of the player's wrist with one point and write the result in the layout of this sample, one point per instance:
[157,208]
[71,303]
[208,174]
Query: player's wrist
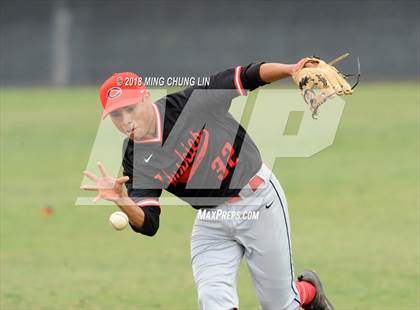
[121,199]
[290,69]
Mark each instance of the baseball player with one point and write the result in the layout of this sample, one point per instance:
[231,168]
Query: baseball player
[188,144]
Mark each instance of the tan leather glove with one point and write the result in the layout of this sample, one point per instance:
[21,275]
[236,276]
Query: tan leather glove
[313,73]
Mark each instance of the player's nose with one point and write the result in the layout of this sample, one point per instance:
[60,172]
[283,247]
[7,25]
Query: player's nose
[126,118]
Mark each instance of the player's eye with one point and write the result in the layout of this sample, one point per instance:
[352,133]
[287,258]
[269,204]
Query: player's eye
[115,114]
[130,109]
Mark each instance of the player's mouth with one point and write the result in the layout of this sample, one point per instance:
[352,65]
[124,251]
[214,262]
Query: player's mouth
[131,131]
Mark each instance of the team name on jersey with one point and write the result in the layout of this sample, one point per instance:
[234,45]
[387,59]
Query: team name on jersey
[187,154]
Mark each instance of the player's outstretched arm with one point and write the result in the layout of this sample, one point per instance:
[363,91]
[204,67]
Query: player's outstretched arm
[271,72]
[112,189]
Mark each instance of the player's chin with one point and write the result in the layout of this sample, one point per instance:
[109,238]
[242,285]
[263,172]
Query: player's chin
[129,134]
[137,135]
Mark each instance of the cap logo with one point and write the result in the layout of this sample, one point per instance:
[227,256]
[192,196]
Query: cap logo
[114,92]
[119,81]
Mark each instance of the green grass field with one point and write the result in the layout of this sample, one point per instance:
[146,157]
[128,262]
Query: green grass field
[354,210]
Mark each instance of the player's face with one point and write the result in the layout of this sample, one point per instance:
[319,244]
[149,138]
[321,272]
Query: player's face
[135,121]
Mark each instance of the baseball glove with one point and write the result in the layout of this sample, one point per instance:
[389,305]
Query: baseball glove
[319,81]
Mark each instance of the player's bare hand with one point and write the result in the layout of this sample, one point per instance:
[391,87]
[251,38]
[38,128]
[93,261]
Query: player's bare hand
[107,187]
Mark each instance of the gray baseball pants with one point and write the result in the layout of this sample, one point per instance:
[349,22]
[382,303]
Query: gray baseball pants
[257,228]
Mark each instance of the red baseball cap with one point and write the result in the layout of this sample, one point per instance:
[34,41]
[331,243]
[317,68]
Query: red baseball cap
[121,90]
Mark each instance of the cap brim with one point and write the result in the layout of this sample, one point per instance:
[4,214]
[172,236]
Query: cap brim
[122,102]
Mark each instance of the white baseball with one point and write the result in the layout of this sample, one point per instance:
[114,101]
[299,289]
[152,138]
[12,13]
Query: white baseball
[119,220]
